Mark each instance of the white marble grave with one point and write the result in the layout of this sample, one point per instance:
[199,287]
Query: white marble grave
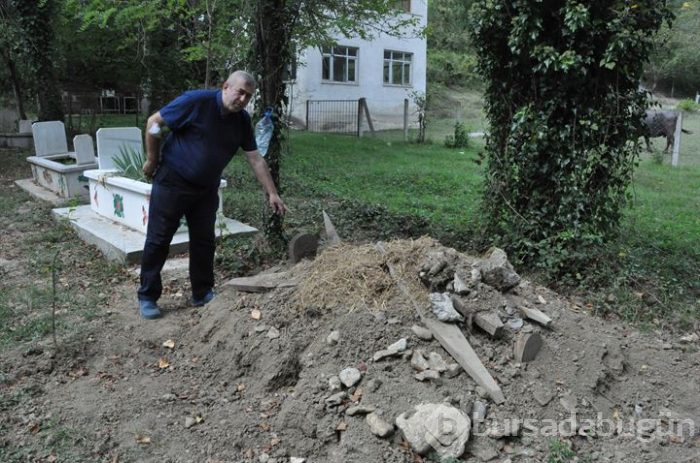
[117,218]
[57,174]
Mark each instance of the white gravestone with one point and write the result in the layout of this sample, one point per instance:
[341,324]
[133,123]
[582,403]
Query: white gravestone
[84,149]
[111,142]
[49,138]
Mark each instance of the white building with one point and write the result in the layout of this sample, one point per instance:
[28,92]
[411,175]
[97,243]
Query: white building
[324,95]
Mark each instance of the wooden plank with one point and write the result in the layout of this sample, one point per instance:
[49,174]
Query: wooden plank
[454,342]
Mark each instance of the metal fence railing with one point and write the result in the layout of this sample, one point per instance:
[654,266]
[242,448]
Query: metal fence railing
[339,116]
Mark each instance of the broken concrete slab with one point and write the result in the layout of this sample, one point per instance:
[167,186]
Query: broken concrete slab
[489,322]
[424,428]
[302,246]
[444,309]
[527,346]
[261,282]
[535,315]
[496,271]
[454,342]
[422,333]
[331,233]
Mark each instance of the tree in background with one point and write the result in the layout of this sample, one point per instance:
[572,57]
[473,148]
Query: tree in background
[563,104]
[282,26]
[675,61]
[452,59]
[35,20]
[12,44]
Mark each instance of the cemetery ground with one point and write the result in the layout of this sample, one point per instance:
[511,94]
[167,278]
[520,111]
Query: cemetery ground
[254,376]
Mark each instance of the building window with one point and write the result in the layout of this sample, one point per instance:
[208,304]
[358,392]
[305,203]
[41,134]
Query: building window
[403,6]
[397,67]
[339,64]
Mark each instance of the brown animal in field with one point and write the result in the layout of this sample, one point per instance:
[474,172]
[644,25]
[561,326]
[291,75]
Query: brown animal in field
[661,124]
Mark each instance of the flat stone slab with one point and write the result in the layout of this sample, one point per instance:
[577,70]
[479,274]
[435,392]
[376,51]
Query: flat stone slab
[261,282]
[39,192]
[123,244]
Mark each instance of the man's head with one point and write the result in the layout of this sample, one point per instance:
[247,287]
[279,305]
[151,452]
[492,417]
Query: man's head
[237,91]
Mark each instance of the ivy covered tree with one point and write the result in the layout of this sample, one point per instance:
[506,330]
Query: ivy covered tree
[564,106]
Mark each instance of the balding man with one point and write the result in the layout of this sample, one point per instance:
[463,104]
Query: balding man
[206,128]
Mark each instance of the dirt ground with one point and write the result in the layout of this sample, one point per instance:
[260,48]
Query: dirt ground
[246,378]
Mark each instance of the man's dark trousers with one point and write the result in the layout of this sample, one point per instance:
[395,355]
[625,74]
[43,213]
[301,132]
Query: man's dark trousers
[172,197]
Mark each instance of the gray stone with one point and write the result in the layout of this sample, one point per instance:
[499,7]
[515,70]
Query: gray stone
[25,126]
[418,361]
[374,384]
[336,399]
[301,246]
[273,333]
[350,377]
[479,410]
[436,362]
[378,426]
[453,370]
[526,347]
[8,120]
[444,309]
[334,383]
[543,396]
[360,410]
[333,338]
[422,333]
[84,149]
[426,429]
[496,271]
[427,375]
[49,138]
[189,422]
[394,349]
[459,285]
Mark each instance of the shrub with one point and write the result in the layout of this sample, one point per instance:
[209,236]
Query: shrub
[460,139]
[130,163]
[688,105]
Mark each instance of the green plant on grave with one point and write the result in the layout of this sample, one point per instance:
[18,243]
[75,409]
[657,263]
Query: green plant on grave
[130,163]
[688,106]
[460,139]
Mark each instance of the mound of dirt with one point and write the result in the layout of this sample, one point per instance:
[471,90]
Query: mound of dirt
[313,369]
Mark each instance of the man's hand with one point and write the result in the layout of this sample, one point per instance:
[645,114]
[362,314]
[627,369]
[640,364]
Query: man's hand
[149,168]
[277,204]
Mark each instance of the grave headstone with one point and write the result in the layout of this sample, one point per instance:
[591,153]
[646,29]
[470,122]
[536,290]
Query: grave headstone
[302,245]
[49,138]
[8,120]
[84,149]
[25,126]
[111,142]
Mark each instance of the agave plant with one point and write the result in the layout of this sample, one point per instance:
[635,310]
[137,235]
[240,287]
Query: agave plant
[130,163]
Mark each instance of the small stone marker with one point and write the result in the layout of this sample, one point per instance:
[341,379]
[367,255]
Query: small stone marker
[302,245]
[84,149]
[331,233]
[111,141]
[350,376]
[527,346]
[261,282]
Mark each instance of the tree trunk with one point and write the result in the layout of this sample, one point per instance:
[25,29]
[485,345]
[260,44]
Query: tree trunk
[16,86]
[272,31]
[36,19]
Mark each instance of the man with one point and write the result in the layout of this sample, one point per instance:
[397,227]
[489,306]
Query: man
[206,128]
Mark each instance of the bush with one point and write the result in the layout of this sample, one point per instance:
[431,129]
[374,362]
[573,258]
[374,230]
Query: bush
[460,139]
[688,105]
[563,104]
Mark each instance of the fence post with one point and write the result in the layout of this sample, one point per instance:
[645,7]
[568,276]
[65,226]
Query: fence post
[360,102]
[307,116]
[677,140]
[405,119]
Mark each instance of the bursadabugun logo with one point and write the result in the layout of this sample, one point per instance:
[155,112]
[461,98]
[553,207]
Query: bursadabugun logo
[447,430]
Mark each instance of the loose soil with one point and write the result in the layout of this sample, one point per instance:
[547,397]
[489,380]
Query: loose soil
[228,390]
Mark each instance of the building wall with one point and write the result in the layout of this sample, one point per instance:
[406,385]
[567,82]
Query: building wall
[385,102]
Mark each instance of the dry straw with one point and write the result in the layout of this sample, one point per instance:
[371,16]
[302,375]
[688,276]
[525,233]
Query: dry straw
[357,277]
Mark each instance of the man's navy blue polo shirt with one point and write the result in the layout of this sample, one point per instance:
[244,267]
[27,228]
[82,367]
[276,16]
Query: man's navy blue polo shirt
[203,139]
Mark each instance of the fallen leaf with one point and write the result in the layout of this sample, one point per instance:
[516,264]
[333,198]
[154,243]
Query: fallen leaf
[163,363]
[51,458]
[616,414]
[676,439]
[198,419]
[170,344]
[342,426]
[255,314]
[264,427]
[144,440]
[274,442]
[78,373]
[541,300]
[240,387]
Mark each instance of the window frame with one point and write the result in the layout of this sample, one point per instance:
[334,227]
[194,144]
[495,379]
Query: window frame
[391,61]
[331,55]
